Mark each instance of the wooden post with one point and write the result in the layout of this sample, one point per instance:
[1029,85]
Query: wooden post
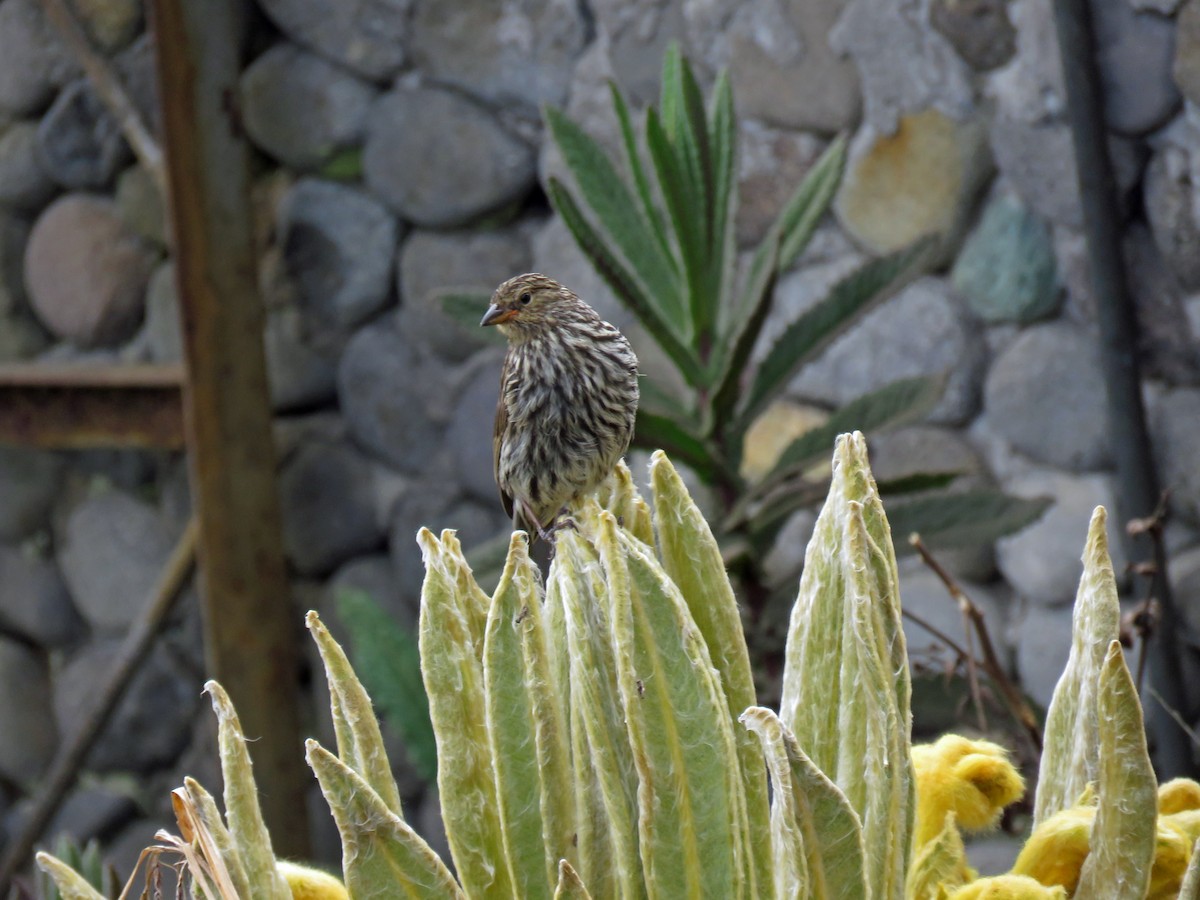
[250,629]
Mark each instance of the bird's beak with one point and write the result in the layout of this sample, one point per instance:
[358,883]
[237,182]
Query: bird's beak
[496,316]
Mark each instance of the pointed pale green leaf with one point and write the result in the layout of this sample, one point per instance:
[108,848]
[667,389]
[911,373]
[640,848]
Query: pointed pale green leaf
[602,759]
[759,292]
[527,730]
[940,866]
[655,432]
[1122,840]
[452,666]
[816,836]
[242,811]
[616,210]
[806,208]
[849,298]
[686,212]
[846,690]
[570,886]
[619,495]
[467,308]
[70,883]
[624,285]
[206,806]
[1071,758]
[382,857]
[964,518]
[690,138]
[359,740]
[633,157]
[678,725]
[1190,889]
[389,663]
[892,406]
[692,559]
[722,139]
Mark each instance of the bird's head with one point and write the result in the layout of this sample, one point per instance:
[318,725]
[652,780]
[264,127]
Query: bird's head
[529,303]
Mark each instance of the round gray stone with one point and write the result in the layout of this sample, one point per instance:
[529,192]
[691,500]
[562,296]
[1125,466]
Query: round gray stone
[1045,395]
[1171,209]
[34,62]
[771,47]
[300,376]
[1043,638]
[1185,585]
[921,331]
[1006,270]
[112,551]
[326,491]
[162,330]
[28,735]
[433,262]
[1175,427]
[25,185]
[471,427]
[1135,51]
[384,387]
[365,36]
[375,576]
[338,250]
[142,206]
[151,724]
[469,164]
[78,141]
[35,604]
[301,109]
[980,30]
[505,53]
[86,271]
[1042,562]
[29,482]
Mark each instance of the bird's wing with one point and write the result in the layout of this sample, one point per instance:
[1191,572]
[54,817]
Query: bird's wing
[498,430]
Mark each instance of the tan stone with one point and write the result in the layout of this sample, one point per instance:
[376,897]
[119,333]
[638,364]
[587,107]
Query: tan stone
[919,181]
[780,424]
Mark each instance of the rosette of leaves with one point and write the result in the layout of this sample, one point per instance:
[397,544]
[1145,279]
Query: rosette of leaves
[598,734]
[658,226]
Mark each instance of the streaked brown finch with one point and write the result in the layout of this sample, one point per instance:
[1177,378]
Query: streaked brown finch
[568,398]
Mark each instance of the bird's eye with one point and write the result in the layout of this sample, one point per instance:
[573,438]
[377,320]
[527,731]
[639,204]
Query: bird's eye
[525,298]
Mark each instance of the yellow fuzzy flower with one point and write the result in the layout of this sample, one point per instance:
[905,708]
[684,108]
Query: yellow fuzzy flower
[1007,887]
[972,779]
[1177,795]
[311,884]
[1055,852]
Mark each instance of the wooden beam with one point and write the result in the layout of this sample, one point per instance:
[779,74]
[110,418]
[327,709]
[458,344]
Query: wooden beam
[73,407]
[251,631]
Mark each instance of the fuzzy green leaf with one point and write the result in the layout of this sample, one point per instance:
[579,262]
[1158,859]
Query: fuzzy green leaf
[70,883]
[940,866]
[570,886]
[818,326]
[527,730]
[614,207]
[722,139]
[1190,889]
[1071,758]
[359,739]
[382,857]
[246,826]
[389,663]
[966,519]
[602,759]
[626,287]
[692,558]
[677,722]
[846,690]
[1123,837]
[452,626]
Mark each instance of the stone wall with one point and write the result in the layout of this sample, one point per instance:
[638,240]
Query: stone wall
[401,152]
